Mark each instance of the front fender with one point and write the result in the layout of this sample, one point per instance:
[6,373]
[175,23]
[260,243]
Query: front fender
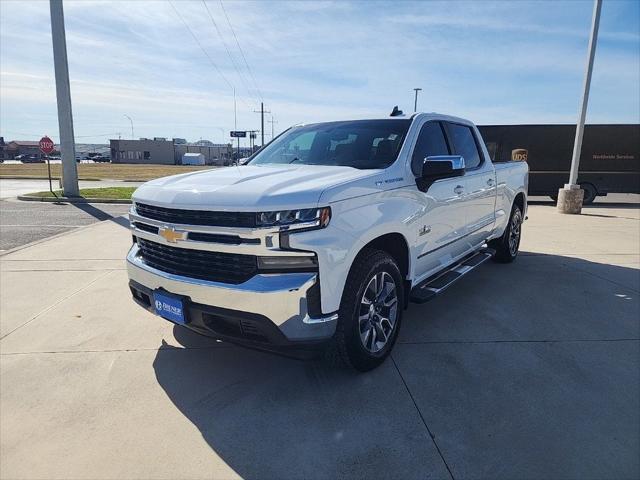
[354,224]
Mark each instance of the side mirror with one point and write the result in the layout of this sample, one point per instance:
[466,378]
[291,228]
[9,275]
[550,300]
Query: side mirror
[438,167]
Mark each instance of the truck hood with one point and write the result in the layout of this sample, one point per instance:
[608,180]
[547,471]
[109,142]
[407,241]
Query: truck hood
[249,188]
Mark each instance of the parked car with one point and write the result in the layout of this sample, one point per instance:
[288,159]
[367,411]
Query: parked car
[100,159]
[32,159]
[322,240]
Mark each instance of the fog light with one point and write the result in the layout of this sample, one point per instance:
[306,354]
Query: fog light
[287,264]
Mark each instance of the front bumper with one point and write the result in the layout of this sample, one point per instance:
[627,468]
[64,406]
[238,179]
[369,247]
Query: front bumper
[268,311]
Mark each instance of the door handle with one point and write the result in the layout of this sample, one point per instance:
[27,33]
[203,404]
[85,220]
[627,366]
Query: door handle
[490,182]
[459,189]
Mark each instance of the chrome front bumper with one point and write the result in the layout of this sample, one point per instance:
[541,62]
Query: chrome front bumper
[282,298]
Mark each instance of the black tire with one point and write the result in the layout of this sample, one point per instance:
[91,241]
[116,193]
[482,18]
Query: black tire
[590,193]
[507,245]
[348,347]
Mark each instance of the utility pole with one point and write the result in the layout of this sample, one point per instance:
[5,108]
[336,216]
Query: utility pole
[262,111]
[235,122]
[570,197]
[131,121]
[63,94]
[272,121]
[415,101]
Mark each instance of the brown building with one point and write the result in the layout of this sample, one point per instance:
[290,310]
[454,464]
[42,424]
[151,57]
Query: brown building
[8,151]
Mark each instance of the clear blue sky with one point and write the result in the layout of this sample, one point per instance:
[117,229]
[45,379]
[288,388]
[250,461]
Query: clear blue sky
[492,62]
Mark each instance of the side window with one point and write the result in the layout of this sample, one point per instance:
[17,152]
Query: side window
[464,144]
[431,142]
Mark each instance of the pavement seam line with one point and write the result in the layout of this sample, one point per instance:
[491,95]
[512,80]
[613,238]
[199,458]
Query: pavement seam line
[424,422]
[470,342]
[578,269]
[50,307]
[119,350]
[66,270]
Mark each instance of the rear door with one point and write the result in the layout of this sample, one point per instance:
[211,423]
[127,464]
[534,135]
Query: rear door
[480,177]
[439,231]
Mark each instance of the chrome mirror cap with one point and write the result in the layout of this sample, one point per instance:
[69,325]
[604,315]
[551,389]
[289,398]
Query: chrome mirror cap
[456,161]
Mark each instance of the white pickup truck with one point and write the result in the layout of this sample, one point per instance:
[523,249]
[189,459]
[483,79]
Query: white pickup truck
[325,236]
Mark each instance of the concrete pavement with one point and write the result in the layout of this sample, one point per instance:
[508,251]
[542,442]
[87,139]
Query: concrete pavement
[528,370]
[25,222]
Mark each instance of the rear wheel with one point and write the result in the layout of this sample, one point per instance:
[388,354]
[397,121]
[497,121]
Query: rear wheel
[508,244]
[590,193]
[370,311]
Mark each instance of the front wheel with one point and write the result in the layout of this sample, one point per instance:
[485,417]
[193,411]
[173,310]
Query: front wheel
[370,311]
[508,244]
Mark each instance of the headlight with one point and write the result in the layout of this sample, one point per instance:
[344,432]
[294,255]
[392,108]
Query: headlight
[304,218]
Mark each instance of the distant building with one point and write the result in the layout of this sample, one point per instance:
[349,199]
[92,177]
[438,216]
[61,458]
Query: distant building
[20,147]
[142,151]
[214,154]
[167,152]
[204,143]
[179,141]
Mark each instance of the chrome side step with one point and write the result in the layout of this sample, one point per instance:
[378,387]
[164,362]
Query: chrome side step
[435,285]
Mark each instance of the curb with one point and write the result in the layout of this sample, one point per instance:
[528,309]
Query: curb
[28,198]
[83,179]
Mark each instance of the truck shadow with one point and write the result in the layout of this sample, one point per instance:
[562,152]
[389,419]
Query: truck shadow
[272,417]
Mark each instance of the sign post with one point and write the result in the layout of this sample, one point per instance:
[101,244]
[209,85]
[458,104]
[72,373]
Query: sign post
[46,147]
[238,134]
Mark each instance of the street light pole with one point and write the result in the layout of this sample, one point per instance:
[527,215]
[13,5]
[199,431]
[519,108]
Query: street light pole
[132,136]
[570,197]
[63,94]
[415,101]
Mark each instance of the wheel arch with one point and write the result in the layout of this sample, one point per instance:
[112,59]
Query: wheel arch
[396,246]
[520,201]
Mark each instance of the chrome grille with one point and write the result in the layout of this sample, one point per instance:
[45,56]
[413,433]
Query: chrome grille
[205,265]
[197,217]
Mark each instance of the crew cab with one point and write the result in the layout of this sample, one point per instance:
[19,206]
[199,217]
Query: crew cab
[321,241]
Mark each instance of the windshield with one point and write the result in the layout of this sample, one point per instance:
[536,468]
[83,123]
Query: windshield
[360,144]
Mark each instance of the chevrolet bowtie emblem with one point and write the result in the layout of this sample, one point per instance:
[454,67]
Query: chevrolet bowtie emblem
[172,235]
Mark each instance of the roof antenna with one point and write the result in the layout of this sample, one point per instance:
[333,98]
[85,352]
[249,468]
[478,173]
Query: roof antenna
[395,112]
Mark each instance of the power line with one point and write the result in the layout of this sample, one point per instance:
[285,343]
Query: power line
[233,61]
[213,64]
[242,52]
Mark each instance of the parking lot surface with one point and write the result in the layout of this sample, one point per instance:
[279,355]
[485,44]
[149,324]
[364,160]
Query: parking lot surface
[527,370]
[25,222]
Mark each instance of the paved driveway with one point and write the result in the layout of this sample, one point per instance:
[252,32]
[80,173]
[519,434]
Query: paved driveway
[528,370]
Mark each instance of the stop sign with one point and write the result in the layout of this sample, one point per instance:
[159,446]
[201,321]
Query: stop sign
[46,145]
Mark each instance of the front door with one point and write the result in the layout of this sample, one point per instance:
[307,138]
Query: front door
[440,228]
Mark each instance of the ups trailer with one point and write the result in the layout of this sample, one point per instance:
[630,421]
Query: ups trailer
[609,160]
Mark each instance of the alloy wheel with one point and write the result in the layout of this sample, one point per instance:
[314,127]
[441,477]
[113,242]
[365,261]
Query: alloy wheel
[378,312]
